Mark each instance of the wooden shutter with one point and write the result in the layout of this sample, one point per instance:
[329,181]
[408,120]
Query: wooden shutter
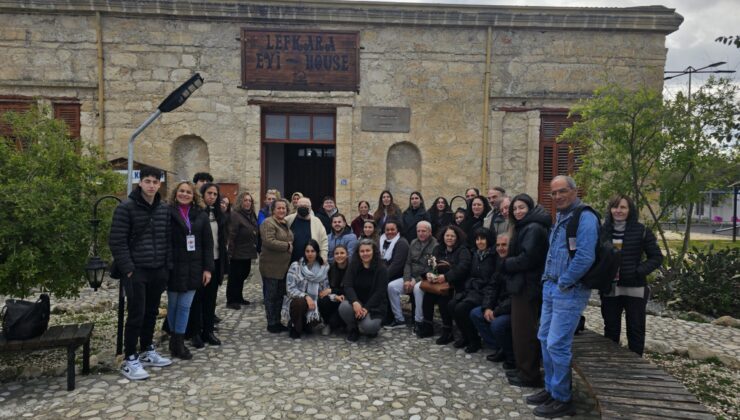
[555,158]
[12,106]
[70,114]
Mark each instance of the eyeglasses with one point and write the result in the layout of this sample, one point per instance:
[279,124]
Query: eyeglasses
[561,191]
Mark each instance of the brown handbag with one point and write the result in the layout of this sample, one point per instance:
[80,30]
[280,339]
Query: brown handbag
[442,289]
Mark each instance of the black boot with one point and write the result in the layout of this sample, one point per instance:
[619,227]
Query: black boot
[427,330]
[211,339]
[180,350]
[447,337]
[197,341]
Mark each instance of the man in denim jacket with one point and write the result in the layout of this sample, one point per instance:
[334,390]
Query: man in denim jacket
[563,298]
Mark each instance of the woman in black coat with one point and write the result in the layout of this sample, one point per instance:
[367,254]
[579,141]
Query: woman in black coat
[440,215]
[629,292]
[329,304]
[525,263]
[192,254]
[452,251]
[414,214]
[203,310]
[483,265]
[474,218]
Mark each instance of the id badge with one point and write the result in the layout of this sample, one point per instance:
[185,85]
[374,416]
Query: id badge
[190,242]
[572,244]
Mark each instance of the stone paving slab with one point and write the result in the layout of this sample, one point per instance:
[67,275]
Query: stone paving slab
[259,375]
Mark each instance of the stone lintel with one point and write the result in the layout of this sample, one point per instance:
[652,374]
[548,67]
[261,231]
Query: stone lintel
[658,19]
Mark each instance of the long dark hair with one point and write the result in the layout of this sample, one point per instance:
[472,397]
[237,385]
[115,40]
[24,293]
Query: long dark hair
[421,197]
[461,236]
[486,207]
[433,212]
[315,245]
[524,198]
[383,209]
[216,207]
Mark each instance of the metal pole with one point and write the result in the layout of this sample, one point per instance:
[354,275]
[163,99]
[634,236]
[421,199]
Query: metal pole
[131,141]
[734,212]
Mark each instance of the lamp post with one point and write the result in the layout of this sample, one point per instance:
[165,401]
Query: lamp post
[172,102]
[96,267]
[691,71]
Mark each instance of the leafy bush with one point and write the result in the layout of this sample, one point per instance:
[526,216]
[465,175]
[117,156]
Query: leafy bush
[709,282]
[47,192]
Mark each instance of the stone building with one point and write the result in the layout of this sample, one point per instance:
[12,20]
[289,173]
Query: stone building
[407,97]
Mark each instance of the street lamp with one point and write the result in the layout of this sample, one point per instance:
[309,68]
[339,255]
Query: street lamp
[96,267]
[172,102]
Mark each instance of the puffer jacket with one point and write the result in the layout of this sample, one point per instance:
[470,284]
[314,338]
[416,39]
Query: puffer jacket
[188,266]
[638,240]
[140,234]
[528,252]
[482,268]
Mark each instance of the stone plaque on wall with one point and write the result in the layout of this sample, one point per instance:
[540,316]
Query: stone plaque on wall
[300,60]
[386,119]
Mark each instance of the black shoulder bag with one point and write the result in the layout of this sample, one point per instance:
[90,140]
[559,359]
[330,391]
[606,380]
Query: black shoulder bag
[23,319]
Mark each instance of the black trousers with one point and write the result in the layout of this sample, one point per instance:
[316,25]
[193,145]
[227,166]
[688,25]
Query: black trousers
[274,292]
[330,312]
[203,308]
[634,310]
[460,310]
[143,291]
[525,315]
[238,273]
[430,299]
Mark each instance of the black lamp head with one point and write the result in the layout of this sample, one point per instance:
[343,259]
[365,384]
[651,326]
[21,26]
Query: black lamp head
[181,94]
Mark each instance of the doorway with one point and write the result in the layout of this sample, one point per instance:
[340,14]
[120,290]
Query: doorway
[299,154]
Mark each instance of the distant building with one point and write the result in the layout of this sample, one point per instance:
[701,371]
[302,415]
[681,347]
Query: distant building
[330,97]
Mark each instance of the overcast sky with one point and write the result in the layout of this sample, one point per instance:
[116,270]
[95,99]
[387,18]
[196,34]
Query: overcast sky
[691,45]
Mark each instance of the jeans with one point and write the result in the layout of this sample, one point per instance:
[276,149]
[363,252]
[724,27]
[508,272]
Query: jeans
[143,291]
[178,310]
[203,308]
[395,288]
[238,273]
[497,333]
[561,312]
[366,325]
[634,310]
[274,290]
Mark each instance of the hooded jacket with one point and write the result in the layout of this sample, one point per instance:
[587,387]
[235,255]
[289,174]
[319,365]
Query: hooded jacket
[528,252]
[638,240]
[140,234]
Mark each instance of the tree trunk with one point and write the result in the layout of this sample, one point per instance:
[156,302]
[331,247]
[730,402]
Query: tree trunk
[687,232]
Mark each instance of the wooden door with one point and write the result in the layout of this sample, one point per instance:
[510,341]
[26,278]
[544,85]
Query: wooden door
[310,170]
[230,190]
[555,158]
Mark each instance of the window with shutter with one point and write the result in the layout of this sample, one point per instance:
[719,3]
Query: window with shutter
[12,106]
[555,158]
[70,114]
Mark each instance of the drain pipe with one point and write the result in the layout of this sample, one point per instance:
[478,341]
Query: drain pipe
[101,85]
[484,170]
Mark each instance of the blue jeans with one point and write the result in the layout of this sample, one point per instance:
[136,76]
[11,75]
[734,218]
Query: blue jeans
[561,311]
[497,333]
[178,310]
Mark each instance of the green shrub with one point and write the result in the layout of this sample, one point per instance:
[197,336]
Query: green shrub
[47,190]
[709,283]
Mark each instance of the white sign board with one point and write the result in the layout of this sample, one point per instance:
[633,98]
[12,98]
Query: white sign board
[137,175]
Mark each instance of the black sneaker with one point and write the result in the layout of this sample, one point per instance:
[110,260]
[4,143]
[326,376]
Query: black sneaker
[395,325]
[496,357]
[518,381]
[245,302]
[555,408]
[233,305]
[353,335]
[539,398]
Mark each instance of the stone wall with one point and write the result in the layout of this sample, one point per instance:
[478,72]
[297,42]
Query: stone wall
[437,70]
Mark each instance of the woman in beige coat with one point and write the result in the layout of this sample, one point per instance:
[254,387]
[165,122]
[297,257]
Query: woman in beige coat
[277,245]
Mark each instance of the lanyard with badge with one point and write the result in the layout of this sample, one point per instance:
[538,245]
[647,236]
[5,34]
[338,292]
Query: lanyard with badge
[190,238]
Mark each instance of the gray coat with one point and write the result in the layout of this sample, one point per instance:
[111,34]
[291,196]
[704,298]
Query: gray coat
[417,262]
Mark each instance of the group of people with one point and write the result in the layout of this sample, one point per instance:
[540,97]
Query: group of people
[499,269]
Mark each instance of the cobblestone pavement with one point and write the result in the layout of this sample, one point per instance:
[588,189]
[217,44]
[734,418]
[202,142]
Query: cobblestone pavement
[258,375]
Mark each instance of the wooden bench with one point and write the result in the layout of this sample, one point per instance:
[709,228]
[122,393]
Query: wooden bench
[627,386]
[69,336]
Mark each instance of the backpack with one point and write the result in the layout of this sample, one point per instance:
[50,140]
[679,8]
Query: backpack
[608,259]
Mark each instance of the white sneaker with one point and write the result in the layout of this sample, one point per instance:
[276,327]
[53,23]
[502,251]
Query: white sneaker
[152,358]
[132,369]
[326,330]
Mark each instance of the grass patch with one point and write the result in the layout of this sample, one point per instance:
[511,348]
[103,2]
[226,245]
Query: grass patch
[717,244]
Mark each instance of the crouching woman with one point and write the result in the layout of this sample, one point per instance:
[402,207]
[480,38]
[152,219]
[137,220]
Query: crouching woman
[365,287]
[307,280]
